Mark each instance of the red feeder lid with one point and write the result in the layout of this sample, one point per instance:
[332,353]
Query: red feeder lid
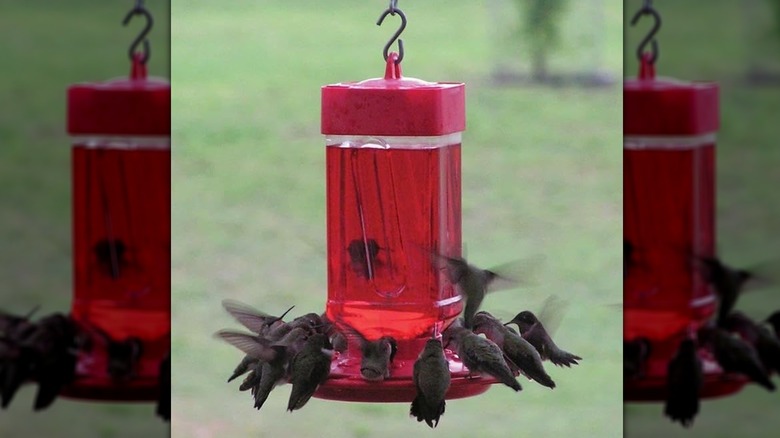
[120,107]
[668,107]
[393,106]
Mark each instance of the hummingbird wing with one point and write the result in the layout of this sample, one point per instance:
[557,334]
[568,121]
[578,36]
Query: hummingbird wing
[552,313]
[255,346]
[516,273]
[250,317]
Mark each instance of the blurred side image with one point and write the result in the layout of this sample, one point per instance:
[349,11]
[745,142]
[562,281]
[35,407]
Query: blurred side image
[394,216]
[85,216]
[701,215]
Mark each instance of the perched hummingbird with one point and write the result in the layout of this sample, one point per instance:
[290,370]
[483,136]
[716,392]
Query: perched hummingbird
[533,331]
[736,356]
[363,256]
[308,369]
[376,356]
[123,357]
[727,283]
[517,350]
[684,382]
[431,378]
[164,394]
[480,355]
[635,354]
[766,345]
[471,282]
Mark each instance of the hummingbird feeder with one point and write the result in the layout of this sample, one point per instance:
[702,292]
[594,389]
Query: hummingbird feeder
[393,158]
[120,133]
[669,133]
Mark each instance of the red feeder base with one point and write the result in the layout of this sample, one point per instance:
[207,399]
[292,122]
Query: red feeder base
[346,384]
[103,389]
[652,387]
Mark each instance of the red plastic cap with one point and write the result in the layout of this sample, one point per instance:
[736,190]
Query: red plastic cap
[120,107]
[393,106]
[666,107]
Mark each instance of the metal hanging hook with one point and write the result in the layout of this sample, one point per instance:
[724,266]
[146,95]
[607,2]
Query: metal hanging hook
[139,9]
[647,9]
[393,10]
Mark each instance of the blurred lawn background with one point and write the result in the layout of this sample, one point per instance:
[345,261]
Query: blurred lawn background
[541,175]
[716,40]
[46,46]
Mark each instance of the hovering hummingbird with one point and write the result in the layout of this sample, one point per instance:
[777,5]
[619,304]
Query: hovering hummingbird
[271,327]
[684,382]
[517,350]
[735,355]
[635,354]
[363,257]
[532,330]
[766,345]
[376,356]
[431,378]
[308,369]
[480,355]
[727,283]
[472,282]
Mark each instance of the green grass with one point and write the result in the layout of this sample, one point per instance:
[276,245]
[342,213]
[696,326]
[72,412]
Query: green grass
[715,46]
[45,47]
[541,175]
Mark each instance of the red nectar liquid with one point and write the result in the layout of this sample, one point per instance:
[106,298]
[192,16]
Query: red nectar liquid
[669,219]
[121,238]
[388,210]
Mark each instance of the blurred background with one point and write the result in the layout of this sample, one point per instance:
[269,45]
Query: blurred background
[541,167]
[45,47]
[737,44]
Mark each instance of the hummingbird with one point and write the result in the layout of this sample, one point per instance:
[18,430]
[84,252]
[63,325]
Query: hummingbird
[532,330]
[164,395]
[736,356]
[635,354]
[481,355]
[727,283]
[684,382]
[517,350]
[767,346]
[256,321]
[272,327]
[123,357]
[363,256]
[308,369]
[376,356]
[431,378]
[472,282]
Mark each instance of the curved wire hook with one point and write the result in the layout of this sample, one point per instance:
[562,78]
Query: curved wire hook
[392,10]
[648,9]
[140,10]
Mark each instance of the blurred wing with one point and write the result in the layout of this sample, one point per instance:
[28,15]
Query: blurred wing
[250,317]
[552,312]
[516,273]
[258,348]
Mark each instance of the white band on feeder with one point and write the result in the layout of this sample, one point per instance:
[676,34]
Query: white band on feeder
[682,142]
[119,142]
[380,142]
